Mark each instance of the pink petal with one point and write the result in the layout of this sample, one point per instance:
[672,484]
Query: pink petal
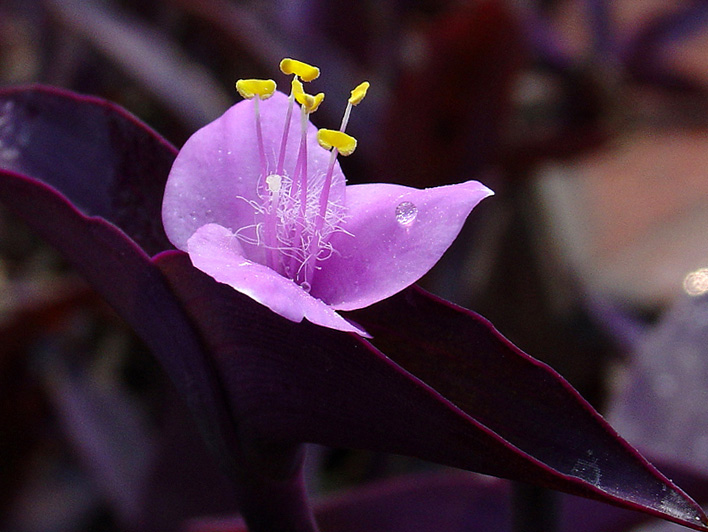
[216,251]
[383,254]
[217,170]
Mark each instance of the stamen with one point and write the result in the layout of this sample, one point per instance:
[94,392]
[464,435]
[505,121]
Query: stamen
[250,88]
[306,233]
[301,180]
[274,182]
[273,185]
[343,143]
[286,130]
[256,90]
[357,95]
[302,70]
[259,137]
[303,159]
[340,141]
[309,102]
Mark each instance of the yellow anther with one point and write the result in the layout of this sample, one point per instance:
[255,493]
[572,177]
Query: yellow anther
[309,102]
[250,88]
[313,102]
[330,138]
[302,70]
[297,88]
[358,93]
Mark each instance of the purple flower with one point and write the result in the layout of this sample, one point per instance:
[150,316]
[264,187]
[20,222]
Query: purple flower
[260,205]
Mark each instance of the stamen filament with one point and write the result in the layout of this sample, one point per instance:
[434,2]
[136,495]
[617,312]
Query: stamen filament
[286,131]
[345,118]
[270,225]
[300,71]
[357,95]
[324,197]
[256,90]
[338,142]
[259,137]
[327,140]
[303,163]
[300,178]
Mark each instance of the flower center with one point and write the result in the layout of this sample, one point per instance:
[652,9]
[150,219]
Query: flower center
[295,214]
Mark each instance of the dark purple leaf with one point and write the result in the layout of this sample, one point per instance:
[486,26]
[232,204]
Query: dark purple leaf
[442,502]
[111,168]
[585,515]
[102,159]
[89,179]
[471,400]
[520,399]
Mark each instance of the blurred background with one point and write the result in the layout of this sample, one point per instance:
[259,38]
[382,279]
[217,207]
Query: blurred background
[587,117]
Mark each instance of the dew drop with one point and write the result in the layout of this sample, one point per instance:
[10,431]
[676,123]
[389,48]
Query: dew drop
[406,213]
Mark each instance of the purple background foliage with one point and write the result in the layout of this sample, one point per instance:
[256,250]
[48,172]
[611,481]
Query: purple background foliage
[527,85]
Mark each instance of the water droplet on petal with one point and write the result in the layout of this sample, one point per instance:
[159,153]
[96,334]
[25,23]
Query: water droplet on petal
[406,213]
